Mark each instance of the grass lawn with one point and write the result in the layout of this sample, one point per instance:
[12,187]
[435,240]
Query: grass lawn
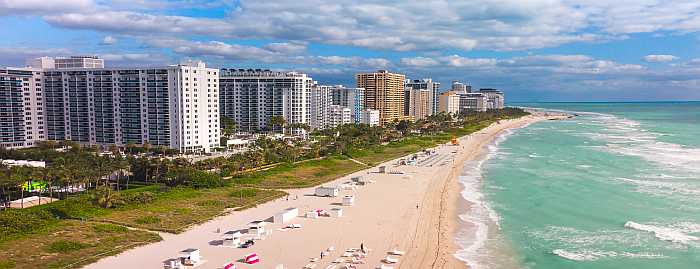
[393,150]
[35,235]
[300,175]
[179,208]
[71,244]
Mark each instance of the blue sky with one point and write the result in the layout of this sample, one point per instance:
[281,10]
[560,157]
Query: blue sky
[534,50]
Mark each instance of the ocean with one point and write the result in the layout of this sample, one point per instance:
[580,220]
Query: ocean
[616,187]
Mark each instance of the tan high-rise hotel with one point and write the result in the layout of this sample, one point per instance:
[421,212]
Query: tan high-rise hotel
[384,91]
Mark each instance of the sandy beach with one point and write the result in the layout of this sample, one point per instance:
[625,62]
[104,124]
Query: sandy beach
[414,210]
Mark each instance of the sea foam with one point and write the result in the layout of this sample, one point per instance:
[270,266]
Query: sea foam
[592,255]
[480,215]
[663,233]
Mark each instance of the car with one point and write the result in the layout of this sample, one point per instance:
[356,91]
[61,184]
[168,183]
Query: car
[248,244]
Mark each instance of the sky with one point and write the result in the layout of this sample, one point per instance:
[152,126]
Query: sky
[533,50]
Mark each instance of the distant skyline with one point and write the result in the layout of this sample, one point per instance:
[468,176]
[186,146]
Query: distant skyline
[540,50]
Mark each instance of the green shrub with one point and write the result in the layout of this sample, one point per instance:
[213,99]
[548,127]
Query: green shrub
[183,211]
[7,264]
[78,207]
[23,221]
[148,220]
[109,228]
[201,179]
[64,246]
[144,197]
[211,203]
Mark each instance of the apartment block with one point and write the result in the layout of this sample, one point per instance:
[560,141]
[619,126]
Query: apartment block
[449,102]
[459,87]
[433,89]
[384,91]
[417,103]
[472,102]
[338,115]
[252,96]
[173,106]
[370,117]
[494,98]
[21,107]
[321,101]
[353,98]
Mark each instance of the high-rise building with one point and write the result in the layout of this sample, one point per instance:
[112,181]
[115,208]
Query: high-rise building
[472,102]
[321,101]
[449,102]
[66,62]
[338,115]
[417,103]
[370,117]
[21,107]
[173,106]
[384,91]
[495,98]
[353,98]
[433,89]
[459,87]
[250,97]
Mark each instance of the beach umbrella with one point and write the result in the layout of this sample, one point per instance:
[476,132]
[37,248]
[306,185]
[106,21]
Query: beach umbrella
[230,265]
[252,258]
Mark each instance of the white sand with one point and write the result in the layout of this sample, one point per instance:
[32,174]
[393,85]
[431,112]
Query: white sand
[384,217]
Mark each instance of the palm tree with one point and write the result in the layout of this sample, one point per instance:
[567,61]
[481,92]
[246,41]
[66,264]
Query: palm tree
[5,182]
[105,197]
[228,126]
[276,121]
[20,176]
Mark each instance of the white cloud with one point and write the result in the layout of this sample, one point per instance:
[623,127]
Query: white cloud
[287,47]
[459,61]
[17,56]
[403,25]
[141,23]
[217,48]
[357,62]
[109,40]
[34,7]
[659,58]
[419,61]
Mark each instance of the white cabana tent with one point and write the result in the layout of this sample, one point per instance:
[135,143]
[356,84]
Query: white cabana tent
[336,212]
[286,215]
[257,227]
[326,191]
[312,214]
[231,239]
[348,200]
[190,257]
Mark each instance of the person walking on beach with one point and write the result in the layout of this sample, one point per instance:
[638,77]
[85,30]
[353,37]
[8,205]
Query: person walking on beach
[362,247]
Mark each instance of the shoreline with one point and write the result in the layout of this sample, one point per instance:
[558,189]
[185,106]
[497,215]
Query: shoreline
[416,212]
[459,205]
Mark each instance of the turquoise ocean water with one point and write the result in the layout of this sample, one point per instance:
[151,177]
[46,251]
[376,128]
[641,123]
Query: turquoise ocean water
[616,187]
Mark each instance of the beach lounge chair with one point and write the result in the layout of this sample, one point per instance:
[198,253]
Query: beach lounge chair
[339,260]
[397,252]
[347,254]
[310,266]
[382,266]
[331,267]
[314,259]
[330,249]
[357,261]
[389,259]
